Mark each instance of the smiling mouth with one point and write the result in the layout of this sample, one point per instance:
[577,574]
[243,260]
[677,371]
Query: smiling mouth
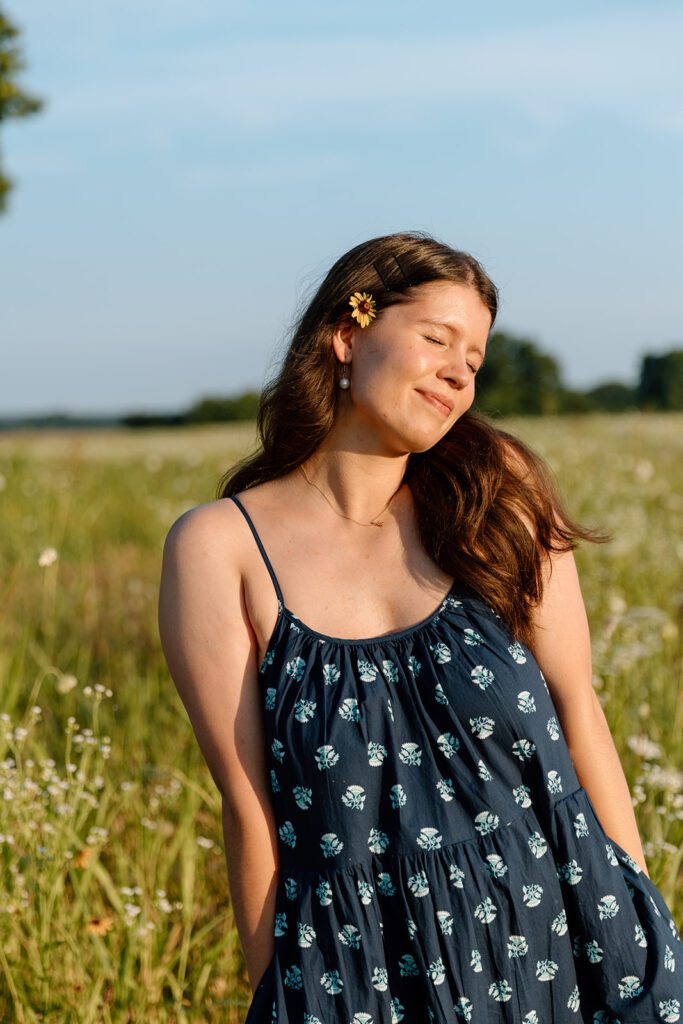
[433,401]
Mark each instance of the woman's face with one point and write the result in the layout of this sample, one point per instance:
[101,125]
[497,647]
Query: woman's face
[433,344]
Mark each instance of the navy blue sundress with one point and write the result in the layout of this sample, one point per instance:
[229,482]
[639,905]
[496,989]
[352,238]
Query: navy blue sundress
[438,859]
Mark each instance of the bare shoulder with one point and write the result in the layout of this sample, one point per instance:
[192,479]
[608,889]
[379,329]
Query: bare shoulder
[211,525]
[208,641]
[202,573]
[222,519]
[213,538]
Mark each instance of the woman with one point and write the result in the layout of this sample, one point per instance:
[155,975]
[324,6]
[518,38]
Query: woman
[383,649]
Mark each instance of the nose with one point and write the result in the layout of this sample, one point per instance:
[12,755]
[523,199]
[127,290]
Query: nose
[458,373]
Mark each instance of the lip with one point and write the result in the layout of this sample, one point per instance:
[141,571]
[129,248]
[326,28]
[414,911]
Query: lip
[438,402]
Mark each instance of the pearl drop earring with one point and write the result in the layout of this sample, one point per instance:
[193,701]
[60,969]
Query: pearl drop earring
[344,381]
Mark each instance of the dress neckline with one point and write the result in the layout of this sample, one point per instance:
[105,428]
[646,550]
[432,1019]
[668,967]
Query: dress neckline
[286,613]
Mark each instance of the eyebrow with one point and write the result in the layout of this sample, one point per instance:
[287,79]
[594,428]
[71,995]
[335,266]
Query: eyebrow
[454,328]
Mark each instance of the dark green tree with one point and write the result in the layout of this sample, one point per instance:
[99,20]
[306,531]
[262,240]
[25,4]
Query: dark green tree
[13,101]
[660,385]
[517,379]
[572,400]
[612,396]
[217,408]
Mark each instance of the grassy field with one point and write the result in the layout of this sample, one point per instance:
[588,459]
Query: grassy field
[114,903]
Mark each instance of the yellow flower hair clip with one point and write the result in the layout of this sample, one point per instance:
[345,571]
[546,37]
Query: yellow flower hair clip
[364,307]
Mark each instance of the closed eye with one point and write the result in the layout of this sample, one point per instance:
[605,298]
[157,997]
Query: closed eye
[438,342]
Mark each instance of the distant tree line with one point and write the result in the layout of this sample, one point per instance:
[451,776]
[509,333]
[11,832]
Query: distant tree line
[210,409]
[516,379]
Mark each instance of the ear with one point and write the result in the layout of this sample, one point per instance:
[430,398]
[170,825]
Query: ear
[342,340]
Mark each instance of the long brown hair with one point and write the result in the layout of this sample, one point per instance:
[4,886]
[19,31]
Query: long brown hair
[477,491]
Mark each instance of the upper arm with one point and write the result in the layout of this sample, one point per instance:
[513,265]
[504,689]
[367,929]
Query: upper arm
[211,652]
[562,643]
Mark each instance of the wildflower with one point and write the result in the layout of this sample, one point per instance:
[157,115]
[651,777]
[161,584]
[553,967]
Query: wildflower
[364,307]
[47,557]
[131,911]
[99,925]
[82,857]
[205,842]
[97,835]
[164,904]
[660,777]
[66,683]
[644,746]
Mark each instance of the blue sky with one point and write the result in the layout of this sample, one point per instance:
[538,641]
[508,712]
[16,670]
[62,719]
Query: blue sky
[198,167]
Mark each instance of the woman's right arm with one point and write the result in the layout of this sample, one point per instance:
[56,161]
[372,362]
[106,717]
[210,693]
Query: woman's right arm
[212,653]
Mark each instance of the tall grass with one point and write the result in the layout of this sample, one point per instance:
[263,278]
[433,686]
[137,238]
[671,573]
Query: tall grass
[114,903]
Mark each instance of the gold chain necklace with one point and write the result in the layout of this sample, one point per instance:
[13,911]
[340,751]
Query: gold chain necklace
[372,521]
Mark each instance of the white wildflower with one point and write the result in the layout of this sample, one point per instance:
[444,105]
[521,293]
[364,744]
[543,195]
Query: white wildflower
[47,556]
[644,747]
[66,683]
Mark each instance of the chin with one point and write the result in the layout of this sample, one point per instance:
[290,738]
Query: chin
[416,445]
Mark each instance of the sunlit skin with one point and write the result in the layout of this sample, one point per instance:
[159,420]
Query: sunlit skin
[382,418]
[399,353]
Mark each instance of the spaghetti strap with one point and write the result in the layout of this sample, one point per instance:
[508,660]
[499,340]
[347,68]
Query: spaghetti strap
[260,547]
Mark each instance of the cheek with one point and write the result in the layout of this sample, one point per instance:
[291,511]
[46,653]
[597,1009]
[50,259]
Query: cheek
[376,370]
[385,374]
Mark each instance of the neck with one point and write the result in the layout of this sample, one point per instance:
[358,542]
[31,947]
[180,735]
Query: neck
[358,485]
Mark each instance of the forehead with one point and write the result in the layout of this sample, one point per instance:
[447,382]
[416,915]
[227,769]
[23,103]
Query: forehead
[450,302]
